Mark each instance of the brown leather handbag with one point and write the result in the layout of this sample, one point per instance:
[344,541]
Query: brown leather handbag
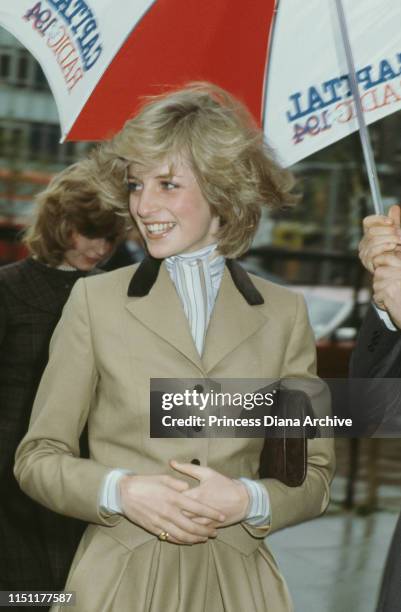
[285,451]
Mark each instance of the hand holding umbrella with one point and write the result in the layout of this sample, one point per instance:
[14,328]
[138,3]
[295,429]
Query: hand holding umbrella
[382,236]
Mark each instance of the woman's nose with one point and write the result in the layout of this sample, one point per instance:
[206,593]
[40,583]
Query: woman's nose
[146,202]
[102,247]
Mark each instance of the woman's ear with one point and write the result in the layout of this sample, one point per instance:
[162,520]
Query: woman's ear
[71,238]
[215,224]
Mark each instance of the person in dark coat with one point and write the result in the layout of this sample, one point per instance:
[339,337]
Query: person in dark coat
[73,232]
[129,251]
[378,354]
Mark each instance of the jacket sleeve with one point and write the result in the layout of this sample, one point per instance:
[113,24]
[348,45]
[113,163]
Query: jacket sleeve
[292,505]
[378,350]
[3,316]
[48,466]
[374,401]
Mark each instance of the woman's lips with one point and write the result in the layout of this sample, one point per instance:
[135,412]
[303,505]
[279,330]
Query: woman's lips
[93,261]
[157,230]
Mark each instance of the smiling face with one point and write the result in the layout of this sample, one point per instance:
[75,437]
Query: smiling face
[85,253]
[170,210]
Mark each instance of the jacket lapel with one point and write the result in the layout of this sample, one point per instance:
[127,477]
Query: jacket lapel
[155,303]
[153,300]
[233,319]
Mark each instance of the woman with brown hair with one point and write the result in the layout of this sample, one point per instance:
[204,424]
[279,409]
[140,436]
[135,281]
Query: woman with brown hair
[73,231]
[175,525]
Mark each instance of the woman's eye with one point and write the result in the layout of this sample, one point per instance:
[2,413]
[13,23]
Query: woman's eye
[168,185]
[132,186]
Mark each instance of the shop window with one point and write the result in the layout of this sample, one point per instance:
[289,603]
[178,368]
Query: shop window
[39,78]
[3,137]
[35,139]
[53,137]
[5,66]
[23,69]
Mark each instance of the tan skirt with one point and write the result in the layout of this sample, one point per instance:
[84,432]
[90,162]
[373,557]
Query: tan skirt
[110,576]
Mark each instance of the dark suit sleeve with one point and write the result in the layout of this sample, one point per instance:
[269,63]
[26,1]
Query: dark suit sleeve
[374,402]
[3,316]
[378,350]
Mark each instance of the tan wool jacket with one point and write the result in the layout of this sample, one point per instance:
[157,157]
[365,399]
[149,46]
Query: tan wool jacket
[117,332]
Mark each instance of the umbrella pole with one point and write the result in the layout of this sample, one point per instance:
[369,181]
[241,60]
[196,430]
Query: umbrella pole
[363,130]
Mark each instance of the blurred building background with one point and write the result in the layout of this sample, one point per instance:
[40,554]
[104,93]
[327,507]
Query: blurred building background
[29,141]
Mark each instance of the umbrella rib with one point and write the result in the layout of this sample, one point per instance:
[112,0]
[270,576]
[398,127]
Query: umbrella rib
[363,130]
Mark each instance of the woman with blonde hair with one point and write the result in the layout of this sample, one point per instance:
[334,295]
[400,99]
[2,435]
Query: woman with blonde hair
[73,231]
[175,525]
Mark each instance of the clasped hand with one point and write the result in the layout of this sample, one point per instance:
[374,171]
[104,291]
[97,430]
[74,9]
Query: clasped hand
[189,515]
[380,253]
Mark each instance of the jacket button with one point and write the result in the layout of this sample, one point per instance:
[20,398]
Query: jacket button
[197,427]
[198,388]
[195,462]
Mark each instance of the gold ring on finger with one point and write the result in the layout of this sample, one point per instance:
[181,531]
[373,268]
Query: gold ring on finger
[163,536]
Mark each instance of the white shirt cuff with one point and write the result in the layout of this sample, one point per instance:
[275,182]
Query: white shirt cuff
[259,507]
[110,494]
[385,317]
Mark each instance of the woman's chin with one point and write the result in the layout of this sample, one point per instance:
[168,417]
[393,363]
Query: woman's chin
[160,251]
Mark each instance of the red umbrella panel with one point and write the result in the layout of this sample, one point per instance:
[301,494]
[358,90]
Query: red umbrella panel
[102,58]
[177,41]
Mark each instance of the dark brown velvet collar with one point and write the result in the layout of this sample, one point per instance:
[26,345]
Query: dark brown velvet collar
[146,274]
